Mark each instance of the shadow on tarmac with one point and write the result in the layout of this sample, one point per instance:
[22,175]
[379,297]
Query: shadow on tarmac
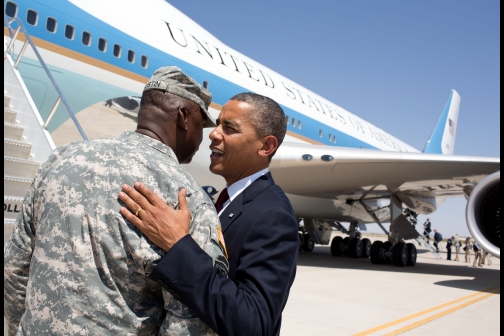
[482,278]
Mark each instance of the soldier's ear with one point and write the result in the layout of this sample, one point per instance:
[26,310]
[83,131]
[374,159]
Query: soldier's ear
[182,118]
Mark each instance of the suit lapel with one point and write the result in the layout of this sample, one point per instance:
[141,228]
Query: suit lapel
[234,209]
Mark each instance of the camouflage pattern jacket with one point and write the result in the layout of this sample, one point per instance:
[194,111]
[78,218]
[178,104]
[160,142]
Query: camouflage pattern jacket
[74,265]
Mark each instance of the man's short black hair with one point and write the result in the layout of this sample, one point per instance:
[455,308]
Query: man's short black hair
[268,117]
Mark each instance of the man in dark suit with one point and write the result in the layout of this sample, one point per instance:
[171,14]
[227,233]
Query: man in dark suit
[258,225]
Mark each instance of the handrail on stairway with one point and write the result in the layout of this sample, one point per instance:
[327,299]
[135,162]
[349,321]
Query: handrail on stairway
[61,98]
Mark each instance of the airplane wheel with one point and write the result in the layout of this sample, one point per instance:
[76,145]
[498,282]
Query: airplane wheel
[344,246]
[355,248]
[412,254]
[337,246]
[387,245]
[366,248]
[301,242]
[309,244]
[400,254]
[377,252]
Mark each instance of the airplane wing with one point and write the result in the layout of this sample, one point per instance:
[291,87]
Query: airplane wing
[342,173]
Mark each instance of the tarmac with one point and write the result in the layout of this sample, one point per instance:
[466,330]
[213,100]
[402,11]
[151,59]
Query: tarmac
[346,296]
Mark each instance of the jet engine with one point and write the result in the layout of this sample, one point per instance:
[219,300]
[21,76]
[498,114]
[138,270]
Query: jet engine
[483,213]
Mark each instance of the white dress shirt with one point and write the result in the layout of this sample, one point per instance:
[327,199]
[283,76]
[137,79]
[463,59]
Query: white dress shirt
[237,188]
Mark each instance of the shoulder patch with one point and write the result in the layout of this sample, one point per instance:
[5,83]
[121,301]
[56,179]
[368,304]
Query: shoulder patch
[222,264]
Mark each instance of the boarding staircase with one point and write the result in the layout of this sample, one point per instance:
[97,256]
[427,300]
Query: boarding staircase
[27,143]
[431,248]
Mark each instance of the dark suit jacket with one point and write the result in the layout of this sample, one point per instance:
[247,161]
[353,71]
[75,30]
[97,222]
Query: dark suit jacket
[261,237]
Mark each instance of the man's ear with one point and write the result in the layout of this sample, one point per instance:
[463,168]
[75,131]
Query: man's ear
[182,117]
[269,146]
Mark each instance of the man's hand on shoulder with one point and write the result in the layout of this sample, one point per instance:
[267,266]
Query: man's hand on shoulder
[160,223]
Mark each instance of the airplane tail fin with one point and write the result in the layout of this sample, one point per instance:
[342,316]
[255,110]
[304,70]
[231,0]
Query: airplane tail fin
[442,139]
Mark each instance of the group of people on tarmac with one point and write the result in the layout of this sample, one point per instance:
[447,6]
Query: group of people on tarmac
[454,241]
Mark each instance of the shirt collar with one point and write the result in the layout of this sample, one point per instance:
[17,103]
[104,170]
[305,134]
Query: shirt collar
[236,188]
[158,145]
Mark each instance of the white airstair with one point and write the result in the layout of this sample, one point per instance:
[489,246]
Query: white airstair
[27,143]
[429,246]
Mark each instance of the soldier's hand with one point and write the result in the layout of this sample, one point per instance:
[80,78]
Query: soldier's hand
[163,225]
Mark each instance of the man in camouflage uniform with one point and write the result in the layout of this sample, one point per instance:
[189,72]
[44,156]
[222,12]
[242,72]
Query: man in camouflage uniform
[74,265]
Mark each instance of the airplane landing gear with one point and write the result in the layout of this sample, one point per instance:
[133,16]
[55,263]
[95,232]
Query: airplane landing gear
[309,243]
[354,248]
[400,254]
[378,253]
[366,248]
[301,242]
[412,254]
[337,246]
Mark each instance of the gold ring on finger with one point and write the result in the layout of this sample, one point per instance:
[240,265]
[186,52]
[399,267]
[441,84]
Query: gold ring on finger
[138,211]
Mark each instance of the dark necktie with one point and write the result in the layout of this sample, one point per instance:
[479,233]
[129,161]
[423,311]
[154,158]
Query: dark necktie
[223,197]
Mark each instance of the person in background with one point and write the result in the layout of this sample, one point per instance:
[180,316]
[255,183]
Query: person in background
[488,257]
[477,255]
[449,244]
[427,229]
[485,256]
[467,249]
[457,243]
[437,239]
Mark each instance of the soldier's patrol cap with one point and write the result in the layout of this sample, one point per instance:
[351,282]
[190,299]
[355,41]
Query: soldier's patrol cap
[173,80]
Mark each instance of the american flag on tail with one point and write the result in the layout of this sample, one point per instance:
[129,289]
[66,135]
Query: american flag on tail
[451,126]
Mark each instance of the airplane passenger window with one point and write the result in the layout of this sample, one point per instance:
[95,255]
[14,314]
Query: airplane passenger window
[287,119]
[102,44]
[10,9]
[131,56]
[320,133]
[144,61]
[334,139]
[330,138]
[117,50]
[86,38]
[293,122]
[69,32]
[299,124]
[31,17]
[51,25]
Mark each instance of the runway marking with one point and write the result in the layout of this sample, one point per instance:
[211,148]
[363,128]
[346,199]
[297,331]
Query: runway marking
[401,320]
[434,317]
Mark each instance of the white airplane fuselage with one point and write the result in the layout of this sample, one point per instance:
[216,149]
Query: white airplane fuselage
[107,49]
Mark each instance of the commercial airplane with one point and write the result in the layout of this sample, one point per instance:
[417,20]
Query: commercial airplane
[334,166]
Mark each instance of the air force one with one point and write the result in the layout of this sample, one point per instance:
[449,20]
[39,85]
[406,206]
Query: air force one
[334,166]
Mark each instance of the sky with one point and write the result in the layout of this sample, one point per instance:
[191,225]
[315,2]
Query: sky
[392,63]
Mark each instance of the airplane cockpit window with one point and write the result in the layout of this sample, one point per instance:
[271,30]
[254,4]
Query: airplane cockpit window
[69,32]
[144,61]
[51,25]
[86,38]
[10,9]
[102,44]
[31,17]
[117,50]
[131,56]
